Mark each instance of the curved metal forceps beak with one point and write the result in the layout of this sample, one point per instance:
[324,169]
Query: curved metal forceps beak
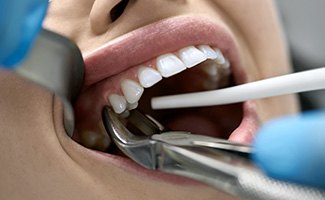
[140,148]
[209,160]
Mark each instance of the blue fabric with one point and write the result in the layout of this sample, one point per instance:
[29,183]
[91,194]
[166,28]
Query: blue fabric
[293,149]
[20,22]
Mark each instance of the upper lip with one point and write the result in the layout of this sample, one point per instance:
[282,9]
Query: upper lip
[161,37]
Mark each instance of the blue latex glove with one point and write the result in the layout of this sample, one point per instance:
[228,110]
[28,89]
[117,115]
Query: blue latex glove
[20,21]
[293,149]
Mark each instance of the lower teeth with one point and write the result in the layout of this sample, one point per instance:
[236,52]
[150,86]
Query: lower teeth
[94,140]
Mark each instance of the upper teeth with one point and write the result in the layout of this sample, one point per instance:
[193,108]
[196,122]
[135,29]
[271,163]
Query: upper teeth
[168,65]
[131,90]
[118,103]
[192,56]
[148,76]
[208,52]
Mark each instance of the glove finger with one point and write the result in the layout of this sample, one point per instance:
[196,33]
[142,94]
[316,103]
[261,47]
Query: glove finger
[293,149]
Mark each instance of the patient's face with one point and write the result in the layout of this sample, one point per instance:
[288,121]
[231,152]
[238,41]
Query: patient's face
[134,50]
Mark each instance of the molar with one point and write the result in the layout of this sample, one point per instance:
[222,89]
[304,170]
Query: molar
[211,69]
[148,76]
[95,139]
[210,84]
[191,56]
[226,67]
[118,103]
[169,65]
[132,91]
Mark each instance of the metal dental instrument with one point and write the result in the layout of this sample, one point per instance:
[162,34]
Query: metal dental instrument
[216,162]
[288,84]
[56,64]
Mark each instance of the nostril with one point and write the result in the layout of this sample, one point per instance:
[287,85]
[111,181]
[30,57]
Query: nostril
[105,12]
[118,10]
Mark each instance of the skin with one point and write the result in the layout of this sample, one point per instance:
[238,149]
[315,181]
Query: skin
[38,159]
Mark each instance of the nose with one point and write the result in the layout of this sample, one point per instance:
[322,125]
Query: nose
[104,13]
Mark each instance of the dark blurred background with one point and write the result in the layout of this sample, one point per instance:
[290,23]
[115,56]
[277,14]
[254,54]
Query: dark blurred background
[304,24]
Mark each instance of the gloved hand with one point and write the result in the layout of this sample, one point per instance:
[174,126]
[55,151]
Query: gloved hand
[20,21]
[293,149]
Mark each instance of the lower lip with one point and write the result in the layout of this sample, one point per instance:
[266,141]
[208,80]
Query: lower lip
[243,134]
[133,168]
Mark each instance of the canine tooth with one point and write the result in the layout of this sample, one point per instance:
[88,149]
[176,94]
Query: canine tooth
[132,91]
[220,59]
[208,52]
[191,56]
[169,65]
[148,76]
[118,103]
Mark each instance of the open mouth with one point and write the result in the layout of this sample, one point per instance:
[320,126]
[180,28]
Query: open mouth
[176,55]
[188,70]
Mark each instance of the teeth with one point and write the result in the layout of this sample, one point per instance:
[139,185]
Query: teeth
[210,84]
[226,67]
[211,61]
[96,140]
[211,69]
[132,91]
[191,56]
[125,114]
[118,103]
[169,65]
[132,106]
[148,77]
[220,59]
[208,52]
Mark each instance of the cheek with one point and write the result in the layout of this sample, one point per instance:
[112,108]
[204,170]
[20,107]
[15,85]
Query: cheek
[271,108]
[68,17]
[256,26]
[263,50]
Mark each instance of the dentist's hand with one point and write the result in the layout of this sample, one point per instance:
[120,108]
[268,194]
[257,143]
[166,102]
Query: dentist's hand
[293,149]
[20,21]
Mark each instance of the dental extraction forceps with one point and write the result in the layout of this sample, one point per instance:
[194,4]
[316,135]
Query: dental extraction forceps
[56,64]
[216,162]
